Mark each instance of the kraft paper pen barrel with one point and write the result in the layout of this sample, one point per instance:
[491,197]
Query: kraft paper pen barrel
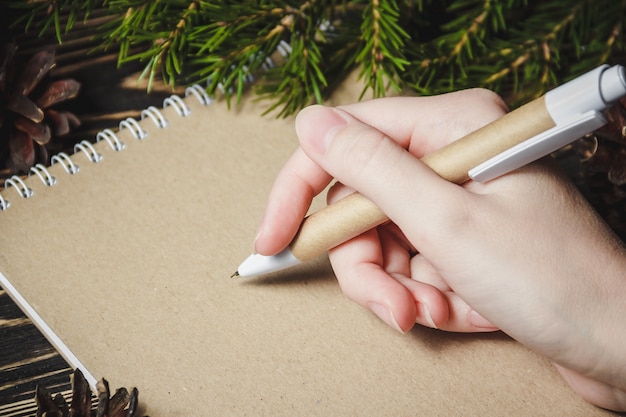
[355,214]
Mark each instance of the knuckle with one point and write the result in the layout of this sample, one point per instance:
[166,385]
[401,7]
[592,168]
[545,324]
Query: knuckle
[470,110]
[455,218]
[489,97]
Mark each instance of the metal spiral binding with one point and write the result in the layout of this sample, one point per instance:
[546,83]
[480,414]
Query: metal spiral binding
[44,175]
[178,104]
[132,125]
[23,190]
[156,116]
[200,94]
[67,163]
[110,137]
[89,150]
[4,204]
[19,185]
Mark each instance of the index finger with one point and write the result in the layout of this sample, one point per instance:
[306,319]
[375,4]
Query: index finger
[289,199]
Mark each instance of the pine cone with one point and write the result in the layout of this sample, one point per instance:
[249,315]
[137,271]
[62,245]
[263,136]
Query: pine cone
[601,171]
[122,404]
[27,123]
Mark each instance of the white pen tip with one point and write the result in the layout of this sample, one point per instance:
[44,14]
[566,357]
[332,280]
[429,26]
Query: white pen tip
[259,264]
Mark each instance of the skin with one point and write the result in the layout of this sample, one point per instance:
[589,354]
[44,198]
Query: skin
[523,253]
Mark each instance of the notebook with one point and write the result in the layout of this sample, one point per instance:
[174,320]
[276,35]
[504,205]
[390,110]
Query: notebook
[125,265]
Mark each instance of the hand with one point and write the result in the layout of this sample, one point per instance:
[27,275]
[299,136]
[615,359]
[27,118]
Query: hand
[523,253]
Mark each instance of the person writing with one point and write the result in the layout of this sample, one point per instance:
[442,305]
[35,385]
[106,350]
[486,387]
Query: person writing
[523,253]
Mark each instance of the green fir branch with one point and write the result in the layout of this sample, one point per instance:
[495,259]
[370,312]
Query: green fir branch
[232,46]
[382,54]
[518,48]
[154,32]
[521,49]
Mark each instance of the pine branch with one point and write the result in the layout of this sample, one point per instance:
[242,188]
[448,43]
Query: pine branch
[443,62]
[382,54]
[519,48]
[152,32]
[236,43]
[522,49]
[301,76]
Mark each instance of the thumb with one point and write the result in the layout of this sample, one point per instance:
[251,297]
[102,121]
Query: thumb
[365,159]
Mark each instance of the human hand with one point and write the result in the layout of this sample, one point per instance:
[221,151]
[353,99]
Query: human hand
[464,258]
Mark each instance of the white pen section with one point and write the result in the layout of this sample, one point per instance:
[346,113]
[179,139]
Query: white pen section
[259,264]
[595,90]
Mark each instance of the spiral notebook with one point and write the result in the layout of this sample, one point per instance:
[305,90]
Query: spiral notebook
[122,254]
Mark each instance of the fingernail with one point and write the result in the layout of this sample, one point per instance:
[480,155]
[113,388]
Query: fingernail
[317,126]
[479,321]
[257,236]
[426,313]
[259,231]
[385,315]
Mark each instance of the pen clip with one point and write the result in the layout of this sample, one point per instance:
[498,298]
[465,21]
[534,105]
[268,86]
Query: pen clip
[538,146]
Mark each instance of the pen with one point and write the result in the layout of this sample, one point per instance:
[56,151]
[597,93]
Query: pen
[526,134]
